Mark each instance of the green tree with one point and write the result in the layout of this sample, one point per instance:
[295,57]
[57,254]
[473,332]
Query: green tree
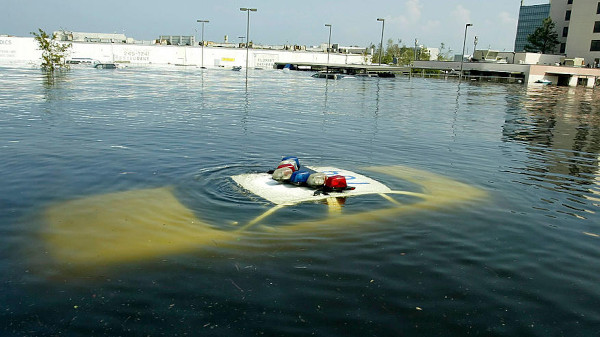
[544,39]
[392,51]
[402,54]
[407,55]
[423,54]
[370,48]
[444,55]
[53,52]
[376,53]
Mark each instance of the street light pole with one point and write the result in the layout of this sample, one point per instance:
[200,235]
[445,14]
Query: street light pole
[415,57]
[247,34]
[381,43]
[416,43]
[328,45]
[203,22]
[462,56]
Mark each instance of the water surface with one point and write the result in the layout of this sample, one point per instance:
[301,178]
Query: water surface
[521,261]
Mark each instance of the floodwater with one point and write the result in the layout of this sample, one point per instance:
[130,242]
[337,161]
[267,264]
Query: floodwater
[96,161]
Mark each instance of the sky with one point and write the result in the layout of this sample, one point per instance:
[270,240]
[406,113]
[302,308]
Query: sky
[276,22]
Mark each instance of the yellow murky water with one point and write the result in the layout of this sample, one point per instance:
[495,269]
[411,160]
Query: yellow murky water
[146,223]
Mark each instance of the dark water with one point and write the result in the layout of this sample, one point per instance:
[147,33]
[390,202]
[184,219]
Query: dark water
[523,261]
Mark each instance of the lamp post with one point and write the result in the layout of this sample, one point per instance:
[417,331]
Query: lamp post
[414,58]
[248,10]
[328,45]
[416,43]
[203,22]
[381,43]
[462,56]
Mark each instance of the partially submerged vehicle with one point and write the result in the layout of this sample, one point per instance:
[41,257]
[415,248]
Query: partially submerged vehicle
[134,225]
[81,60]
[331,76]
[105,66]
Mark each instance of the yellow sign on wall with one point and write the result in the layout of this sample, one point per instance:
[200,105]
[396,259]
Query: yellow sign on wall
[228,59]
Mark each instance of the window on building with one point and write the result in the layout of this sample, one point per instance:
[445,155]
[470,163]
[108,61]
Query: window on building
[598,9]
[595,45]
[597,27]
[569,2]
[563,48]
[565,31]
[568,16]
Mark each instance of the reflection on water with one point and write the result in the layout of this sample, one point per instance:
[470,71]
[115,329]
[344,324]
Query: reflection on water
[93,161]
[561,131]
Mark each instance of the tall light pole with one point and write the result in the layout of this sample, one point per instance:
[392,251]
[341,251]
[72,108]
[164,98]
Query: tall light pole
[381,43]
[203,22]
[415,57]
[248,10]
[462,56]
[416,43]
[328,45]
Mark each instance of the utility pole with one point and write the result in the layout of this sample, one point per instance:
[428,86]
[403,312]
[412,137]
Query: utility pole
[328,45]
[247,34]
[462,56]
[381,43]
[203,22]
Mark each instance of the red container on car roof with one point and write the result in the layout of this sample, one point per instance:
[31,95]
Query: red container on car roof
[336,182]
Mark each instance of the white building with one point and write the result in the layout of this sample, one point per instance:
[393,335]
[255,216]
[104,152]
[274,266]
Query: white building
[578,27]
[91,37]
[24,50]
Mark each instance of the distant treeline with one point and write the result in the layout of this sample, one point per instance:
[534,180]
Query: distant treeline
[399,53]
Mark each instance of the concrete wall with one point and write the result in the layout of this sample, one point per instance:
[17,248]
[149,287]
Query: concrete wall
[23,50]
[581,31]
[535,58]
[530,58]
[553,74]
[557,13]
[489,67]
[581,27]
[532,73]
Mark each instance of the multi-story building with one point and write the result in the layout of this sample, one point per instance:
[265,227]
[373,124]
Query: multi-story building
[578,27]
[530,18]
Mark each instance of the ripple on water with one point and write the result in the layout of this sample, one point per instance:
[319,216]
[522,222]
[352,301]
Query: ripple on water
[517,263]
